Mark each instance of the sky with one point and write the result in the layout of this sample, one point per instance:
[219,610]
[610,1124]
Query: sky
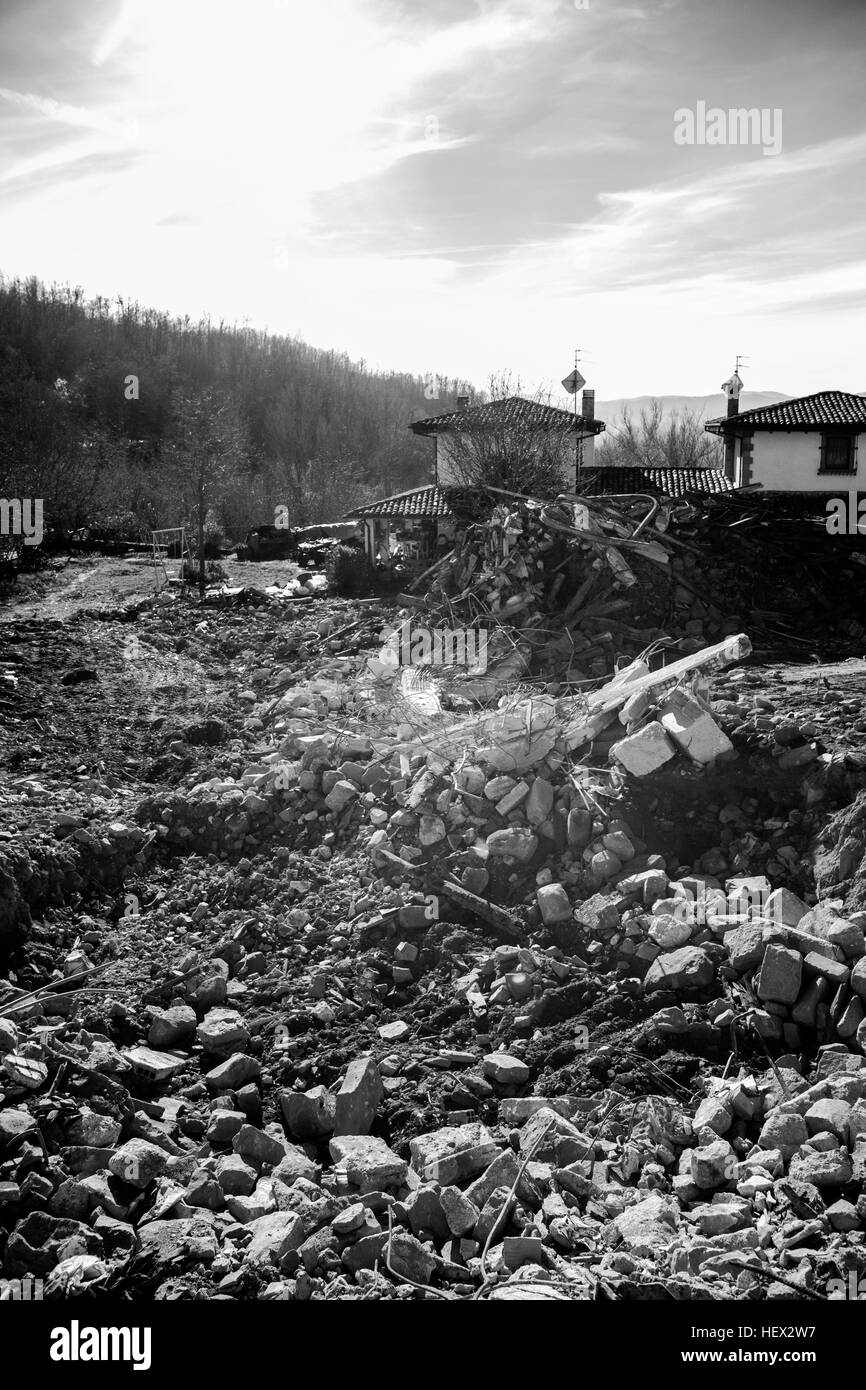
[467,187]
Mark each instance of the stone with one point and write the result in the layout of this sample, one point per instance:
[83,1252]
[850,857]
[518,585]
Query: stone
[233,1073]
[668,933]
[554,904]
[554,1139]
[394,1032]
[203,1190]
[832,970]
[646,751]
[784,1133]
[687,968]
[235,1177]
[847,936]
[692,727]
[713,1113]
[504,1170]
[856,1122]
[806,1008]
[598,914]
[425,1214]
[648,1226]
[274,1236]
[578,828]
[745,946]
[539,802]
[493,1218]
[341,795]
[512,799]
[92,1129]
[223,1125]
[406,1256]
[15,1125]
[222,1031]
[168,1027]
[618,843]
[454,1153]
[431,830]
[780,975]
[830,1169]
[137,1163]
[858,978]
[350,1219]
[260,1202]
[257,1147]
[460,1214]
[40,1242]
[829,1116]
[293,1165]
[843,1216]
[505,1069]
[368,1162]
[516,843]
[604,865]
[308,1114]
[713,1165]
[784,906]
[366,1252]
[358,1098]
[518,1251]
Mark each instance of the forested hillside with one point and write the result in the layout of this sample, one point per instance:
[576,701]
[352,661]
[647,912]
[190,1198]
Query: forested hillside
[97,400]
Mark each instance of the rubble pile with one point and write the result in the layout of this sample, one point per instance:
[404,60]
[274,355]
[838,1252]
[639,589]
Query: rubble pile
[312,989]
[573,588]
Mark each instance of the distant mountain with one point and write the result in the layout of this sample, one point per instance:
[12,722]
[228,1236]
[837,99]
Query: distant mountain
[706,407]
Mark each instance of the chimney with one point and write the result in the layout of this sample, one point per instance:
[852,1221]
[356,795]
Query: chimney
[732,388]
[587,444]
[462,402]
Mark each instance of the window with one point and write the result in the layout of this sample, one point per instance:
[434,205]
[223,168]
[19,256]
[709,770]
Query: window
[837,454]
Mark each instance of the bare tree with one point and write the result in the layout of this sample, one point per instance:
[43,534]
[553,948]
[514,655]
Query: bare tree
[653,442]
[528,450]
[208,452]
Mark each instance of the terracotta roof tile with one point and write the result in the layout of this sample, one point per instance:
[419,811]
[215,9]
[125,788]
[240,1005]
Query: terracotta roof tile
[512,410]
[667,482]
[821,410]
[429,501]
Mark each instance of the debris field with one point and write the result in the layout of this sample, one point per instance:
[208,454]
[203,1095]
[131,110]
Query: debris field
[321,979]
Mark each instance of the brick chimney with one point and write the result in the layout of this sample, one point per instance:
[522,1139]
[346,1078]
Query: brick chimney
[732,388]
[587,412]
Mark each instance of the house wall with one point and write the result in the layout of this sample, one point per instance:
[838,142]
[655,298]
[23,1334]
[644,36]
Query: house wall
[783,461]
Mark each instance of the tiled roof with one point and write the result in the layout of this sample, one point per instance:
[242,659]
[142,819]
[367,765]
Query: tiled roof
[668,482]
[513,410]
[817,411]
[429,501]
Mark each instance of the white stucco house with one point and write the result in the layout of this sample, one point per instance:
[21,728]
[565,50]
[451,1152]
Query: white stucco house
[807,444]
[514,413]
